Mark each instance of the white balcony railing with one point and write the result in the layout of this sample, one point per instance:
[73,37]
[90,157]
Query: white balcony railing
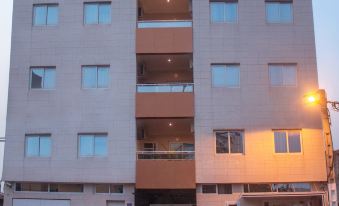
[164,24]
[165,155]
[159,88]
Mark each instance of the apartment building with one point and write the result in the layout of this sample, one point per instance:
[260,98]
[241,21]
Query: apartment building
[163,102]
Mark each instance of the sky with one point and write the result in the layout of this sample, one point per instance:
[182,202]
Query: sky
[326,18]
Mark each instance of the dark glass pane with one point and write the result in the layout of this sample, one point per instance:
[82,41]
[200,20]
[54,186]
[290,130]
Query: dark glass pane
[116,188]
[37,76]
[236,139]
[102,188]
[222,142]
[225,189]
[209,189]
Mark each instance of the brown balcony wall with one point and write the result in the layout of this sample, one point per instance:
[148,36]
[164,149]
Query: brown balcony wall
[164,105]
[164,40]
[165,174]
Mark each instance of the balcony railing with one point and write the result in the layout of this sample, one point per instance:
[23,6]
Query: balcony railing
[164,24]
[159,88]
[165,155]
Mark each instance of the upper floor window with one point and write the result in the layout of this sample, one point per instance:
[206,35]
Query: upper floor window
[109,188]
[287,141]
[95,77]
[38,145]
[224,11]
[217,188]
[45,14]
[97,13]
[42,77]
[231,141]
[225,75]
[279,11]
[91,145]
[283,74]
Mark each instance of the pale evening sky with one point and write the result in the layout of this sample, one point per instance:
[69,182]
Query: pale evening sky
[326,17]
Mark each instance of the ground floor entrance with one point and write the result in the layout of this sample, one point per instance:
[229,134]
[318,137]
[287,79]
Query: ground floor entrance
[158,197]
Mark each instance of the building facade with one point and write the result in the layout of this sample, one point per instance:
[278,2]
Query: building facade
[163,102]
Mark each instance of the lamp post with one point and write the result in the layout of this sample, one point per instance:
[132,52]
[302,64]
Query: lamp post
[320,98]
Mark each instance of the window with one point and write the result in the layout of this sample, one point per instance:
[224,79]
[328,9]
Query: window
[45,14]
[95,77]
[97,13]
[45,187]
[42,77]
[38,145]
[283,74]
[225,75]
[109,188]
[279,12]
[209,189]
[66,187]
[229,141]
[31,187]
[224,11]
[92,145]
[289,187]
[224,188]
[287,141]
[177,146]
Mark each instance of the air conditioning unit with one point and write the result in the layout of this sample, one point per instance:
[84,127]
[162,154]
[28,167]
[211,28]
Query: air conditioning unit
[141,70]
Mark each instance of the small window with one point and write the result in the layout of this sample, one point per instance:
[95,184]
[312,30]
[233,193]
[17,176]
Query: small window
[150,147]
[95,77]
[93,145]
[42,77]
[97,13]
[45,14]
[38,145]
[209,189]
[283,74]
[279,12]
[31,187]
[45,187]
[224,11]
[225,75]
[109,188]
[288,141]
[229,141]
[224,188]
[66,188]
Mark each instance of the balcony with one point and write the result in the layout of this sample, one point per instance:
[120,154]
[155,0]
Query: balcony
[164,27]
[165,155]
[165,88]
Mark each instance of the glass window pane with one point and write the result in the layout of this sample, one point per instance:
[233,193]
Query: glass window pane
[40,13]
[232,76]
[52,15]
[188,147]
[86,145]
[222,142]
[286,13]
[217,12]
[302,187]
[117,188]
[290,76]
[231,12]
[225,189]
[103,77]
[273,12]
[105,13]
[89,77]
[91,13]
[45,146]
[37,76]
[280,142]
[102,188]
[209,189]
[49,79]
[276,75]
[294,144]
[100,145]
[219,75]
[32,147]
[236,141]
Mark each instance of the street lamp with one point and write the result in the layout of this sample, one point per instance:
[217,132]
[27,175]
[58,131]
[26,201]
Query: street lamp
[320,98]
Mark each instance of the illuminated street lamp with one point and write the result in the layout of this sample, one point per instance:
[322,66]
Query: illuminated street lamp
[320,98]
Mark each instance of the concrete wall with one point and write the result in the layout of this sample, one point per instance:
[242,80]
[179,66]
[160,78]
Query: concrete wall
[256,106]
[69,109]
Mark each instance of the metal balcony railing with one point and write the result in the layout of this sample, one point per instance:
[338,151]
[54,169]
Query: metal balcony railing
[164,24]
[159,88]
[165,155]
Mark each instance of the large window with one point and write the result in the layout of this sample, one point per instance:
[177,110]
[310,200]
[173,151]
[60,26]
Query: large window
[97,13]
[288,187]
[229,141]
[38,145]
[224,11]
[109,188]
[42,77]
[91,145]
[95,77]
[225,75]
[283,74]
[46,187]
[279,12]
[217,188]
[45,14]
[288,141]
